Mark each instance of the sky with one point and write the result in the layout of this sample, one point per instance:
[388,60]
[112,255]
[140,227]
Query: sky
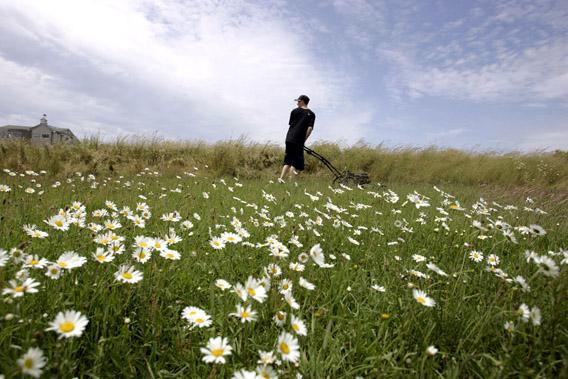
[479,75]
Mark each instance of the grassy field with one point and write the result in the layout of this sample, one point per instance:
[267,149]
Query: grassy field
[503,316]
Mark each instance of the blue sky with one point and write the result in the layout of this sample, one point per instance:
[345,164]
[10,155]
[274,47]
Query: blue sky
[477,75]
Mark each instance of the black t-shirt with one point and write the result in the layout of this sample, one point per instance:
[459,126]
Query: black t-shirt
[300,120]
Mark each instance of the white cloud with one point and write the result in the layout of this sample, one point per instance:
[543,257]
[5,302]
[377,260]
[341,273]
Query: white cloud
[228,69]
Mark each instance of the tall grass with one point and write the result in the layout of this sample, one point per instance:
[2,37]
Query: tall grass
[247,159]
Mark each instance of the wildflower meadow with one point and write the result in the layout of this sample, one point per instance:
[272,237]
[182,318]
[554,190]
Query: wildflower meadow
[192,275]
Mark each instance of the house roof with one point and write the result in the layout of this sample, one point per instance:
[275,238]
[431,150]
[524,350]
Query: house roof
[16,127]
[54,128]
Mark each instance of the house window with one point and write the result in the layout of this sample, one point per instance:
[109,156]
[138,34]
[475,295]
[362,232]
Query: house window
[45,136]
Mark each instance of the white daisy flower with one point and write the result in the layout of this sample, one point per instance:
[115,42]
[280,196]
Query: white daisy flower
[216,350]
[32,362]
[288,347]
[68,324]
[245,314]
[298,326]
[127,274]
[423,298]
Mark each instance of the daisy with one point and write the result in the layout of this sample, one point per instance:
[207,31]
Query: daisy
[378,288]
[112,224]
[70,260]
[476,256]
[548,266]
[493,260]
[273,270]
[255,289]
[291,301]
[266,357]
[307,285]
[58,222]
[231,237]
[524,312]
[523,283]
[141,255]
[266,372]
[285,285]
[222,284]
[241,291]
[159,244]
[245,314]
[280,318]
[436,269]
[68,324]
[197,316]
[537,230]
[244,374]
[303,258]
[298,326]
[19,289]
[509,326]
[143,242]
[128,274]
[3,257]
[170,254]
[534,316]
[431,350]
[34,232]
[217,243]
[172,238]
[35,261]
[53,272]
[423,298]
[216,350]
[288,347]
[32,362]
[295,266]
[103,256]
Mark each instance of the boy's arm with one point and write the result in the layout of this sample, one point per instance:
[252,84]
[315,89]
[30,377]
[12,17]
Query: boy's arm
[308,132]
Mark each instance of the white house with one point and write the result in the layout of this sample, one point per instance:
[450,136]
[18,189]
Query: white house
[42,133]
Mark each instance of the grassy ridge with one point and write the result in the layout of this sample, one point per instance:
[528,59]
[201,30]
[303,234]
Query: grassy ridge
[253,160]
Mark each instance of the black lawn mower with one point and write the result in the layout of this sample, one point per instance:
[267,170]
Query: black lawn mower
[345,177]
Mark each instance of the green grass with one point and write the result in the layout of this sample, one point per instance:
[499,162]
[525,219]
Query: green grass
[347,334]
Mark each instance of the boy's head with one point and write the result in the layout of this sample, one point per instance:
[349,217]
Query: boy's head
[302,100]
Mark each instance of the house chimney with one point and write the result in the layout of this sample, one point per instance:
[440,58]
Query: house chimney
[43,120]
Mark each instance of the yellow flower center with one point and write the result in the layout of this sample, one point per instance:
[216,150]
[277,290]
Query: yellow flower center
[280,316]
[34,262]
[284,348]
[127,275]
[285,286]
[296,327]
[62,264]
[101,258]
[19,289]
[67,327]
[29,363]
[199,320]
[142,255]
[59,223]
[421,300]
[217,352]
[245,314]
[170,255]
[251,291]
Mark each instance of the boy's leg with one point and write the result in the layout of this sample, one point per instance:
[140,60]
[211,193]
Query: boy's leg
[285,170]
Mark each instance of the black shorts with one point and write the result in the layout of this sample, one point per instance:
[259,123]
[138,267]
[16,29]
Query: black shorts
[294,156]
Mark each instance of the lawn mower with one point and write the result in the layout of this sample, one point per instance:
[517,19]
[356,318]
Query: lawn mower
[345,177]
